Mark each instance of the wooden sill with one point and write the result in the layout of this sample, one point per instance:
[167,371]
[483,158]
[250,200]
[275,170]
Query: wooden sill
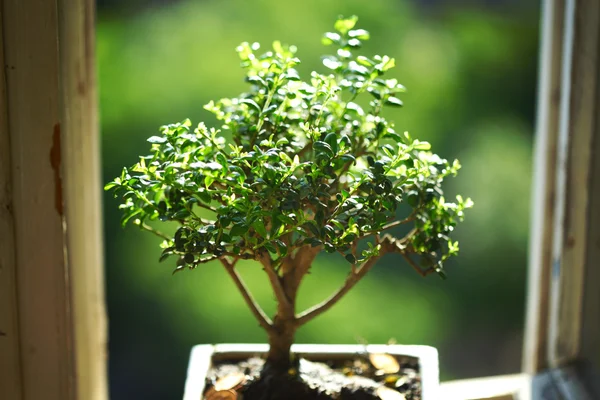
[506,387]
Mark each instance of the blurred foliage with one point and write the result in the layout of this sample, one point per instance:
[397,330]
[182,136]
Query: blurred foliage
[471,76]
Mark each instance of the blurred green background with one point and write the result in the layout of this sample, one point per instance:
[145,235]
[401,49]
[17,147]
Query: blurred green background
[470,68]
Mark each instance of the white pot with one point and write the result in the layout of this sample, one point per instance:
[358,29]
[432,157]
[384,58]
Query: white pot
[202,356]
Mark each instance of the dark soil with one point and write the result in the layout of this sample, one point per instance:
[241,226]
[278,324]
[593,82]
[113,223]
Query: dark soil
[344,379]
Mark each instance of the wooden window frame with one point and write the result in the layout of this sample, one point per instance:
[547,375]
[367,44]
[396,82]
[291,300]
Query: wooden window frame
[564,239]
[52,312]
[52,315]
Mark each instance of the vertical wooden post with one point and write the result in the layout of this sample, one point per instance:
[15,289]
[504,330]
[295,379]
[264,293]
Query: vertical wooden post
[43,296]
[578,126]
[544,187]
[82,193]
[565,240]
[52,322]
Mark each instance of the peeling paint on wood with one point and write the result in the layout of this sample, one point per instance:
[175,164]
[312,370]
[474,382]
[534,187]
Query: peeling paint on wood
[55,161]
[40,275]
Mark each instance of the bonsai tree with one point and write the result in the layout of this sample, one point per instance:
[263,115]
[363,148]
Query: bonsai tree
[306,170]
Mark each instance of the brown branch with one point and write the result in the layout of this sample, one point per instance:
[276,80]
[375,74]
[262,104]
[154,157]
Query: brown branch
[258,312]
[276,283]
[420,271]
[297,267]
[388,245]
[351,280]
[304,258]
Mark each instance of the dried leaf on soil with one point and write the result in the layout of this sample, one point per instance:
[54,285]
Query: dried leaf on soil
[230,381]
[385,393]
[385,362]
[223,395]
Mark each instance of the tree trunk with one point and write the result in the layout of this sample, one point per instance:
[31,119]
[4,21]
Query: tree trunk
[279,356]
[285,324]
[281,340]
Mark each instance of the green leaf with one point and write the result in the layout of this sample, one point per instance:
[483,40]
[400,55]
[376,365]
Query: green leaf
[285,157]
[179,268]
[354,43]
[313,228]
[181,214]
[343,25]
[357,69]
[441,273]
[127,216]
[331,63]
[330,38]
[347,157]
[270,247]
[256,80]
[359,34]
[292,75]
[393,101]
[238,229]
[157,139]
[338,224]
[222,159]
[367,62]
[209,180]
[418,145]
[285,219]
[386,64]
[166,253]
[283,250]
[394,136]
[323,147]
[331,139]
[259,226]
[111,185]
[350,258]
[251,103]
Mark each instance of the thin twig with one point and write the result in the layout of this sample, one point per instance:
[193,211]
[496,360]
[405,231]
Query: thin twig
[207,207]
[205,260]
[258,312]
[393,224]
[410,218]
[419,270]
[150,229]
[207,221]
